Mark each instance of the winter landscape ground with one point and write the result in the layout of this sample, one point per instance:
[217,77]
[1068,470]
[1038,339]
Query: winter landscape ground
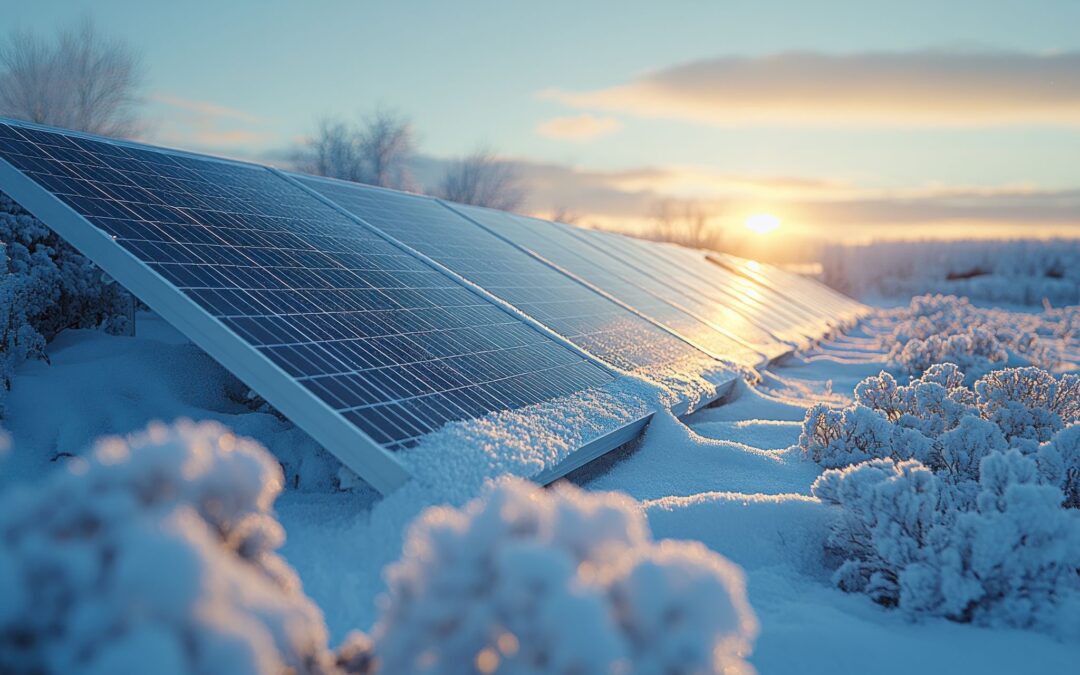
[736,477]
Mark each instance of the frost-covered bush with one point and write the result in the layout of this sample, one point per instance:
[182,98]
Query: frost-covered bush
[155,554]
[1000,271]
[46,286]
[532,581]
[940,422]
[940,328]
[1003,552]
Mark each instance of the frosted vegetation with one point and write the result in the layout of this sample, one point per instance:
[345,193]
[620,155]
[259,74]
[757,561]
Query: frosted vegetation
[46,286]
[955,501]
[1024,272]
[161,549]
[947,329]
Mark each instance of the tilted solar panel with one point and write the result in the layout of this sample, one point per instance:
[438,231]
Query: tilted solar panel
[654,276]
[611,276]
[361,343]
[744,309]
[766,307]
[807,291]
[813,323]
[593,322]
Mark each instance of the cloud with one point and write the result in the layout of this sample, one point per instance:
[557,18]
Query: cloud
[203,125]
[918,88]
[809,205]
[581,128]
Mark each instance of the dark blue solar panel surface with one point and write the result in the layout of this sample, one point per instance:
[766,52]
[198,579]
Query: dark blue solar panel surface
[571,309]
[391,343]
[616,278]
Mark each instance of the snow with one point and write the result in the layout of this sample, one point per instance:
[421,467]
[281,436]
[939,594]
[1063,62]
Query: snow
[724,476]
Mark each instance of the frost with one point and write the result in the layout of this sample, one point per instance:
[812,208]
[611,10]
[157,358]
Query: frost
[562,581]
[156,553]
[1017,272]
[943,328]
[46,286]
[1008,556]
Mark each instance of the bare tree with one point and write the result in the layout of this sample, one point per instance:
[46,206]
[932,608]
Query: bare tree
[564,214]
[387,144]
[685,222]
[333,151]
[376,151]
[482,179]
[81,80]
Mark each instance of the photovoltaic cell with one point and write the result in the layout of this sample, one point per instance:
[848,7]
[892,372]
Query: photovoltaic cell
[741,296]
[591,321]
[671,283]
[805,291]
[610,275]
[395,346]
[809,323]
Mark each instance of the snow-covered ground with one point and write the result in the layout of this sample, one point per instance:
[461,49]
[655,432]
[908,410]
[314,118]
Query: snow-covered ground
[727,476]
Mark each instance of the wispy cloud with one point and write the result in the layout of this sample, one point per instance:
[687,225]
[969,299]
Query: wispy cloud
[810,206]
[204,125]
[579,128]
[915,88]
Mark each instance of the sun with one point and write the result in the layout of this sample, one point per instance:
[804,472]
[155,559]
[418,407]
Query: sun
[762,223]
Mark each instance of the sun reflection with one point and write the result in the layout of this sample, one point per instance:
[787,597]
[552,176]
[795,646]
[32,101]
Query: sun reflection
[762,223]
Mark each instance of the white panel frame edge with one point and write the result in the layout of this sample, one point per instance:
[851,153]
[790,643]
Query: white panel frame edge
[577,458]
[353,447]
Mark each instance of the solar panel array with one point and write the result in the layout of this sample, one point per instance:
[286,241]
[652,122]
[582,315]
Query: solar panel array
[376,317]
[795,317]
[611,275]
[737,312]
[591,321]
[395,346]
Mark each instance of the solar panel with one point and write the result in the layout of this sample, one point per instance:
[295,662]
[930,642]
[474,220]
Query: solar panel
[364,345]
[609,275]
[806,291]
[662,279]
[797,323]
[743,305]
[593,322]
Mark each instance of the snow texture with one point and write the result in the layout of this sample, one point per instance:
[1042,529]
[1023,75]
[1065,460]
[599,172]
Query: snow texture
[530,581]
[1017,272]
[45,287]
[157,553]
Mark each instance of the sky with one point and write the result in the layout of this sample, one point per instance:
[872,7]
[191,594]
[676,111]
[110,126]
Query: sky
[845,120]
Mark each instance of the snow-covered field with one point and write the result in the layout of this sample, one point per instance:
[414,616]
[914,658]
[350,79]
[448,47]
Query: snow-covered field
[729,476]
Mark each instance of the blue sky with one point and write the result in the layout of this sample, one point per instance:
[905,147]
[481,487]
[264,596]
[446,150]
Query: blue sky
[567,86]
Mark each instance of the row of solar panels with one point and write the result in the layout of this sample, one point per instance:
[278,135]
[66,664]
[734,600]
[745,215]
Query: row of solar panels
[372,317]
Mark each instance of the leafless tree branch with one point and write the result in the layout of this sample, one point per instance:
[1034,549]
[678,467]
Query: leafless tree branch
[81,80]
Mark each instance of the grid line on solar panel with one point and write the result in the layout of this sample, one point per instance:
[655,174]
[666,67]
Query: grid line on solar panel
[591,321]
[743,297]
[395,346]
[809,323]
[609,276]
[668,282]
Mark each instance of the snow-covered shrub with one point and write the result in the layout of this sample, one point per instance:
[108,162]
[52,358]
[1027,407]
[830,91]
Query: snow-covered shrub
[1008,555]
[975,350]
[1059,464]
[47,286]
[155,554]
[940,422]
[532,581]
[999,271]
[941,328]
[1029,402]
